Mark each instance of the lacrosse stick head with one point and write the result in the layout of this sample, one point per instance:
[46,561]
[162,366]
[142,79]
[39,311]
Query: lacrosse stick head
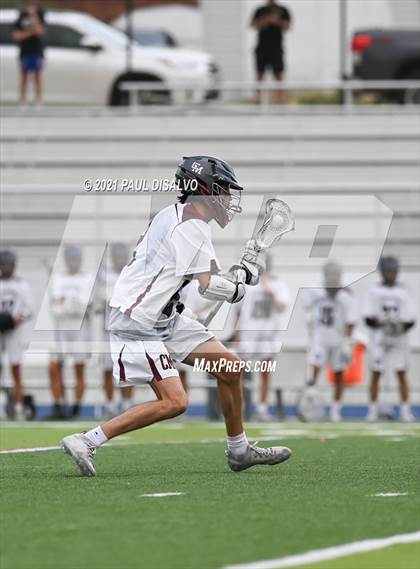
[278,220]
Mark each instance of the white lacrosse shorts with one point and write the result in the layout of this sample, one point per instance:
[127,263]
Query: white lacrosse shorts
[14,344]
[393,355]
[321,354]
[140,361]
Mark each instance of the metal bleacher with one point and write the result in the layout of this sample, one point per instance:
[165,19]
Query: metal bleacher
[46,157]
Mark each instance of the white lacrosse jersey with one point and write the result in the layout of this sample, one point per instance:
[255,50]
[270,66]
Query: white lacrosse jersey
[330,314]
[16,297]
[70,296]
[257,311]
[389,303]
[176,246]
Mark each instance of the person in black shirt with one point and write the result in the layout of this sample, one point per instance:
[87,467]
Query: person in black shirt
[29,33]
[271,21]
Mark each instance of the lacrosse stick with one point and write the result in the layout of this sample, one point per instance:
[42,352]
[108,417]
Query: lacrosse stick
[278,220]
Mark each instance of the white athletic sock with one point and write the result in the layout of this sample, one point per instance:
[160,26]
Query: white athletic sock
[262,408]
[96,436]
[405,407]
[237,445]
[336,406]
[373,407]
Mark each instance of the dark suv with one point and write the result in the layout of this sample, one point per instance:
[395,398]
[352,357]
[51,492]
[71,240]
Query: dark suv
[388,55]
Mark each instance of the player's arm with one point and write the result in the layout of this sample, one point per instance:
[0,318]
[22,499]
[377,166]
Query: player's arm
[261,19]
[227,287]
[21,35]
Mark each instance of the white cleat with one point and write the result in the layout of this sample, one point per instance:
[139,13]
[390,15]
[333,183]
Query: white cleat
[257,455]
[407,417]
[82,451]
[372,416]
[335,416]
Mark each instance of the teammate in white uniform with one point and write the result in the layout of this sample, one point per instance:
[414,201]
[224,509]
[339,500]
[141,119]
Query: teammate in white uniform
[70,294]
[119,258]
[16,307]
[331,318]
[147,330]
[389,312]
[258,325]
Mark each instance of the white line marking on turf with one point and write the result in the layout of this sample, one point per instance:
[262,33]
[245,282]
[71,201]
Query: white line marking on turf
[317,555]
[162,494]
[390,494]
[21,450]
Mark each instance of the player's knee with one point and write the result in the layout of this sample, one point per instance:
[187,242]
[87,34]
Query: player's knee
[177,405]
[232,370]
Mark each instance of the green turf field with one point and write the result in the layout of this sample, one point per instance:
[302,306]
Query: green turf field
[322,497]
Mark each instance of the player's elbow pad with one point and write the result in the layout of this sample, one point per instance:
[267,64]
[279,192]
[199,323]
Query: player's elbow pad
[223,288]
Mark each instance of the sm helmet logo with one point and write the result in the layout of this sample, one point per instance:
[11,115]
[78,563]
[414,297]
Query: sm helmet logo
[196,168]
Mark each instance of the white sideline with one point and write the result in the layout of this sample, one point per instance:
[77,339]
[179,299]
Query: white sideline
[317,555]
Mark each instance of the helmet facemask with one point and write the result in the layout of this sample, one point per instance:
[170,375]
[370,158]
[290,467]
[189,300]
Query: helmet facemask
[227,199]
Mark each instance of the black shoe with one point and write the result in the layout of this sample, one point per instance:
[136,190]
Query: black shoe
[75,411]
[58,413]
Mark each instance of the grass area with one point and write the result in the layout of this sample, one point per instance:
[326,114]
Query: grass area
[323,496]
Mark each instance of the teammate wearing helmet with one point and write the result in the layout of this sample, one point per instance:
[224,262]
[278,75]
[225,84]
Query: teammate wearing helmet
[331,318]
[259,320]
[389,312]
[70,294]
[16,307]
[148,329]
[119,258]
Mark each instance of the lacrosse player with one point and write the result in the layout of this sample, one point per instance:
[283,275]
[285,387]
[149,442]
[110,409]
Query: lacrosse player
[331,318]
[148,329]
[119,258]
[389,312]
[70,295]
[16,307]
[258,326]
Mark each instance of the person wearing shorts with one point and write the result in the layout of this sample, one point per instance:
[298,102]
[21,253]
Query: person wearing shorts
[258,324]
[70,301]
[271,21]
[331,317]
[149,331]
[16,307]
[29,33]
[389,313]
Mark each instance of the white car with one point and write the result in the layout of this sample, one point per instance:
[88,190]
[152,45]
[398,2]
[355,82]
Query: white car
[86,61]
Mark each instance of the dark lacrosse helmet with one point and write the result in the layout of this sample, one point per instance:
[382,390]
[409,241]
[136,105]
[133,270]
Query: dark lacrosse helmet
[212,177]
[389,267]
[7,264]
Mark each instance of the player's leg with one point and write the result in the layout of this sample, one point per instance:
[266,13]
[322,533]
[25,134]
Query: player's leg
[228,382]
[184,379]
[227,370]
[262,409]
[279,94]
[405,411]
[171,401]
[14,348]
[79,389]
[18,391]
[335,414]
[127,394]
[376,365]
[109,393]
[55,370]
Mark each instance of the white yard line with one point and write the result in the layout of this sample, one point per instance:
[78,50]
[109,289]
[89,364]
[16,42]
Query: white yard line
[162,494]
[22,450]
[318,555]
[390,494]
